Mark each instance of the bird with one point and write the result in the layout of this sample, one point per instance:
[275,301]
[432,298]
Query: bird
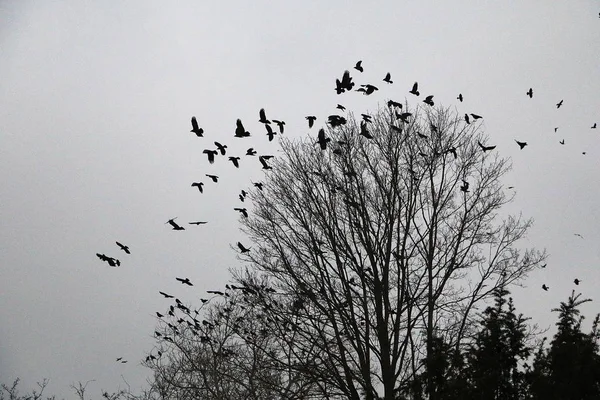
[243,211]
[221,148]
[251,152]
[214,178]
[388,78]
[199,186]
[366,117]
[545,287]
[460,97]
[467,119]
[196,129]
[544,265]
[235,161]
[576,281]
[358,66]
[429,100]
[392,103]
[367,89]
[119,359]
[311,120]
[166,296]
[263,117]
[258,185]
[263,161]
[211,155]
[242,248]
[174,224]
[594,126]
[124,362]
[363,130]
[530,93]
[345,84]
[521,144]
[159,315]
[415,89]
[465,187]
[322,140]
[280,125]
[113,262]
[404,116]
[341,107]
[242,198]
[560,103]
[197,223]
[475,116]
[579,235]
[562,141]
[486,148]
[239,130]
[270,132]
[123,247]
[185,281]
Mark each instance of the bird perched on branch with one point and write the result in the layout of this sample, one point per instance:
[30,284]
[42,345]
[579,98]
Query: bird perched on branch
[486,148]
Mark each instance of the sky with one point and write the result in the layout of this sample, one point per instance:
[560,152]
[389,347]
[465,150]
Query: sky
[95,107]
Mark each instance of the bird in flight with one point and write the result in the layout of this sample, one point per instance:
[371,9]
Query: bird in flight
[123,247]
[530,93]
[280,125]
[199,186]
[214,178]
[174,224]
[211,155]
[392,103]
[388,78]
[242,248]
[239,130]
[579,235]
[166,296]
[486,148]
[475,116]
[311,120]
[467,120]
[270,133]
[341,107]
[263,161]
[594,126]
[364,131]
[562,141]
[521,144]
[545,287]
[460,97]
[560,103]
[322,140]
[159,315]
[429,100]
[415,89]
[367,89]
[221,148]
[258,185]
[242,211]
[263,117]
[345,84]
[196,129]
[113,262]
[576,281]
[185,281]
[251,152]
[197,223]
[358,66]
[235,161]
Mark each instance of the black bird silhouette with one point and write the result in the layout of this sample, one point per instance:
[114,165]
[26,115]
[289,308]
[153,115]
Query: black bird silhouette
[159,315]
[263,161]
[221,148]
[243,211]
[429,100]
[263,117]
[113,262]
[530,93]
[345,84]
[119,359]
[174,224]
[576,281]
[467,120]
[251,152]
[239,130]
[521,144]
[185,281]
[211,155]
[486,148]
[358,66]
[123,247]
[336,120]
[404,116]
[392,103]
[388,78]
[124,362]
[341,107]
[423,136]
[364,131]
[196,129]
[197,223]
[280,125]
[259,185]
[235,161]
[465,186]
[199,186]
[475,116]
[311,120]
[594,126]
[270,132]
[460,97]
[242,248]
[578,234]
[562,141]
[367,89]
[560,103]
[214,178]
[166,296]
[545,287]
[415,89]
[322,140]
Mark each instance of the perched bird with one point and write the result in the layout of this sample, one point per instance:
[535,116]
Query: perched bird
[211,155]
[214,178]
[251,152]
[311,120]
[280,125]
[322,140]
[270,132]
[242,198]
[345,84]
[199,186]
[174,224]
[388,78]
[336,120]
[263,117]
[467,119]
[123,247]
[460,97]
[166,296]
[197,223]
[221,148]
[576,281]
[235,161]
[555,129]
[185,281]
[239,130]
[242,248]
[341,107]
[263,161]
[196,129]
[358,66]
[113,262]
[119,359]
[429,100]
[530,93]
[545,287]
[486,148]
[594,126]
[214,292]
[415,89]
[367,117]
[560,103]
[521,144]
[243,211]
[475,116]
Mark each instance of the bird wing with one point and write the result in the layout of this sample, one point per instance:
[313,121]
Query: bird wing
[194,123]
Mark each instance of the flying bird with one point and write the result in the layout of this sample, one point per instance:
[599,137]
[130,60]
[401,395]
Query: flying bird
[242,248]
[530,93]
[214,178]
[311,120]
[251,152]
[429,100]
[415,89]
[197,223]
[545,287]
[280,125]
[221,148]
[159,315]
[211,155]
[174,224]
[235,161]
[368,89]
[521,144]
[345,84]
[199,186]
[364,131]
[166,296]
[486,148]
[119,359]
[467,119]
[560,103]
[562,141]
[270,132]
[460,97]
[322,140]
[263,161]
[579,235]
[196,129]
[239,130]
[242,211]
[123,247]
[263,117]
[185,281]
[358,66]
[341,107]
[388,78]
[258,185]
[475,116]
[576,281]
[594,126]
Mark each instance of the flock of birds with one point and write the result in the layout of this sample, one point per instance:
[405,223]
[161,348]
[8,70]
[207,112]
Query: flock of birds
[345,84]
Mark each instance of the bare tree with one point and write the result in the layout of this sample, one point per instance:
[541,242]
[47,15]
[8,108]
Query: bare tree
[389,237]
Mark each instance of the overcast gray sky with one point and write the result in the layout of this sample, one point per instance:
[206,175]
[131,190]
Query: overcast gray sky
[95,107]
